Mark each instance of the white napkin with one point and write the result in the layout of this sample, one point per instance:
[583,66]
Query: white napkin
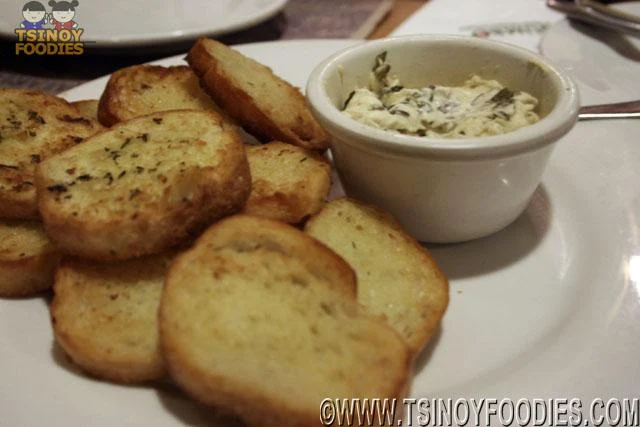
[519,22]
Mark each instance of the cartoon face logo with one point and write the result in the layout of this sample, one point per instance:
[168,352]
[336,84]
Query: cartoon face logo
[34,15]
[63,13]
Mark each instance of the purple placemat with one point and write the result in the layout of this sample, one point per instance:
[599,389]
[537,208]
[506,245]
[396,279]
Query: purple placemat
[334,18]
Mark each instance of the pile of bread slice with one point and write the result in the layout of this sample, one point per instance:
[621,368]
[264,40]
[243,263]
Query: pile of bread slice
[177,246]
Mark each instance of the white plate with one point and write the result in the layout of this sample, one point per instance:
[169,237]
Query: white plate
[606,63]
[549,307]
[126,23]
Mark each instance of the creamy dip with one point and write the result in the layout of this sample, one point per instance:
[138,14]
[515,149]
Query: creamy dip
[477,108]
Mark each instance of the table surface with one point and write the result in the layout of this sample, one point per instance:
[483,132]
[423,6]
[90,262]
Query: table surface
[300,19]
[402,9]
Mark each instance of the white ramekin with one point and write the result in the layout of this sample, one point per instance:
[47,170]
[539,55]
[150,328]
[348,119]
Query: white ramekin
[443,190]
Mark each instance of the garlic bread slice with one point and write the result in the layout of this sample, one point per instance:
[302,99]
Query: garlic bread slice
[263,103]
[27,258]
[288,183]
[397,277]
[105,316]
[144,89]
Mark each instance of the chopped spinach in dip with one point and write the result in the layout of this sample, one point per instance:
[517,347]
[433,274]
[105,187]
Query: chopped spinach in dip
[477,108]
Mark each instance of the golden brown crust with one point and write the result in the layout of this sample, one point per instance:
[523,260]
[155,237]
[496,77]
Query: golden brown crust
[144,186]
[398,277]
[145,89]
[19,203]
[33,126]
[27,259]
[105,317]
[288,183]
[105,117]
[269,108]
[281,333]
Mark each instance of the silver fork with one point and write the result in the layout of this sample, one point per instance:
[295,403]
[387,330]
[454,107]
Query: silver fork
[598,14]
[621,110]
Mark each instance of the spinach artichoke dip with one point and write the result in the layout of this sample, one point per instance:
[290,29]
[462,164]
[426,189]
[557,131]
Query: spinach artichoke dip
[477,108]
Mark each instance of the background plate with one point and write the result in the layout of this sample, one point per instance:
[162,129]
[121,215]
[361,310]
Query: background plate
[125,23]
[549,307]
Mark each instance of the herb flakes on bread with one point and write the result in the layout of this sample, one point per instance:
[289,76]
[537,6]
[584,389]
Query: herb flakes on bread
[33,126]
[143,185]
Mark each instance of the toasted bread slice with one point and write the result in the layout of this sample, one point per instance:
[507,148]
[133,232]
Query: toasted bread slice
[33,126]
[27,258]
[397,277]
[144,89]
[143,185]
[105,316]
[261,320]
[87,107]
[250,92]
[288,183]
